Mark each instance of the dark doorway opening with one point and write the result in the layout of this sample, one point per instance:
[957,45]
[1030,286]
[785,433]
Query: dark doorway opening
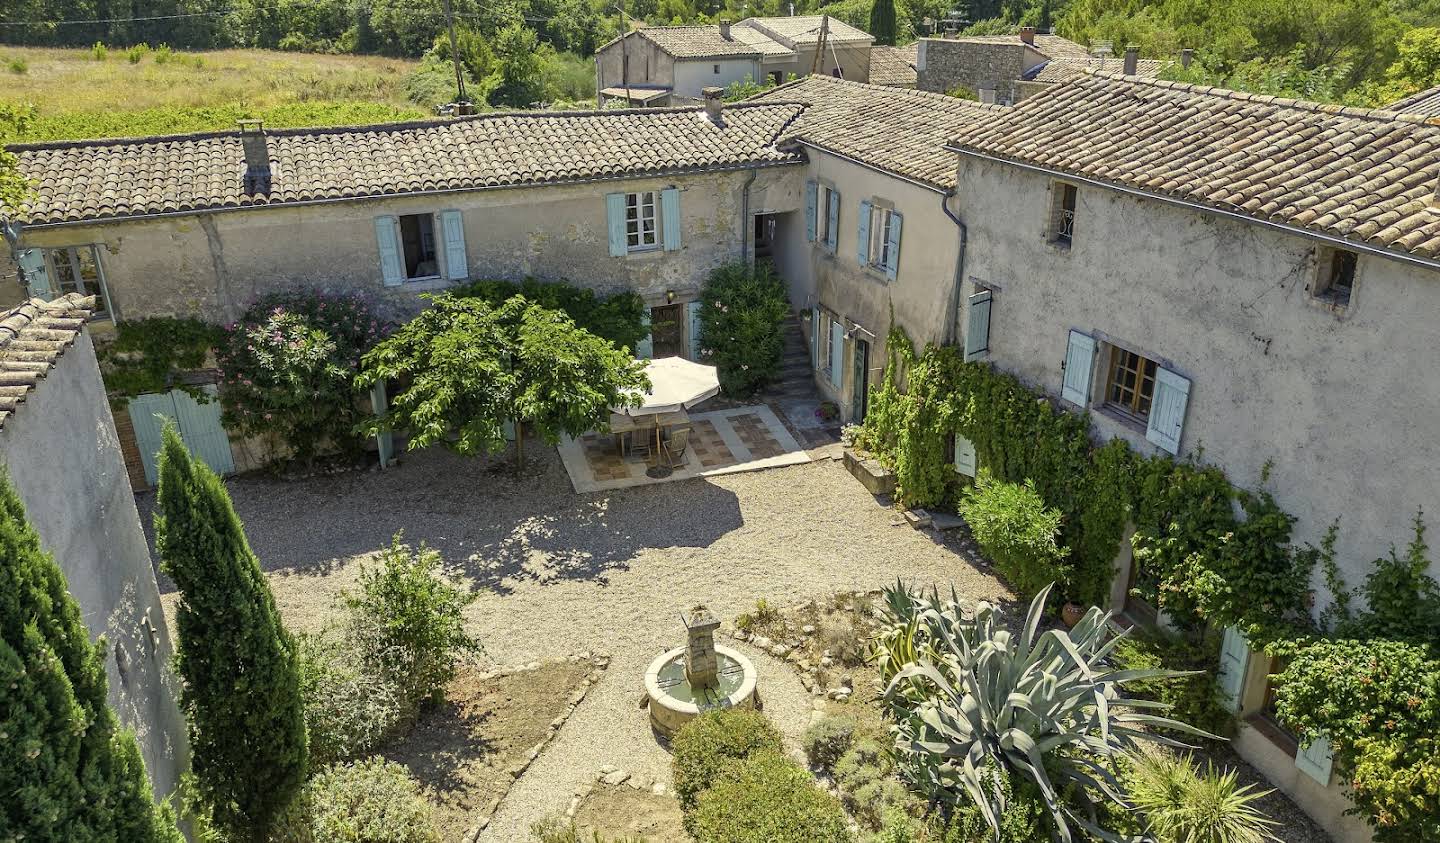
[764,236]
[860,391]
[666,330]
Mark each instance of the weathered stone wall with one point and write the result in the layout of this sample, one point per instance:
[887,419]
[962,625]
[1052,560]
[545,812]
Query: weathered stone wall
[943,64]
[649,65]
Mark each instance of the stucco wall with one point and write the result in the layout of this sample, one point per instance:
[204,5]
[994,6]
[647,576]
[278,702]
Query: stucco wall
[63,456]
[213,265]
[691,77]
[853,61]
[649,65]
[1344,408]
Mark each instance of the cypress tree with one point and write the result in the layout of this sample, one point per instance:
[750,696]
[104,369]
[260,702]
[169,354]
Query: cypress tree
[241,691]
[67,770]
[882,22]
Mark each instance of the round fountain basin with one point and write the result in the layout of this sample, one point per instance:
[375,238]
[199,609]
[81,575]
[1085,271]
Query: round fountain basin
[673,702]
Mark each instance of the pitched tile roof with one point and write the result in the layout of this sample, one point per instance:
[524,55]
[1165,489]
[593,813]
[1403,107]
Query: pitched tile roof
[107,179]
[1425,102]
[768,46]
[1052,46]
[697,42]
[1363,175]
[805,29]
[898,130]
[32,337]
[1069,67]
[894,66]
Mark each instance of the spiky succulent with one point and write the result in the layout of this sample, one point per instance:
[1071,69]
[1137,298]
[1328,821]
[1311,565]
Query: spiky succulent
[964,693]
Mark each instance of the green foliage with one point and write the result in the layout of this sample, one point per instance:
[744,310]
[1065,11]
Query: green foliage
[962,92]
[241,688]
[171,119]
[1193,698]
[468,368]
[1102,512]
[432,84]
[1181,804]
[1397,786]
[66,765]
[518,63]
[407,621]
[1024,820]
[1416,68]
[868,786]
[99,52]
[704,746]
[742,317]
[289,367]
[883,23]
[370,801]
[618,317]
[826,740]
[1402,601]
[747,88]
[767,798]
[552,830]
[18,65]
[15,121]
[137,53]
[1043,707]
[349,710]
[1013,527]
[147,355]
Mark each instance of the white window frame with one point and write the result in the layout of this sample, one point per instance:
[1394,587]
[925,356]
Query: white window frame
[435,247]
[637,237]
[880,217]
[822,214]
[71,255]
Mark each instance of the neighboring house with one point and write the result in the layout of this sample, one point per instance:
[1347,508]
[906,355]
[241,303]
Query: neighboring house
[62,453]
[1425,102]
[672,65]
[200,225]
[876,242]
[990,65]
[1144,251]
[893,66]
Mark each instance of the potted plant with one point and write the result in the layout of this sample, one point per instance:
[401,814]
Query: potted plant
[828,411]
[1071,613]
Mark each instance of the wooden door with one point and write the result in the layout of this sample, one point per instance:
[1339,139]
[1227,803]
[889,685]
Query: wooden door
[667,330]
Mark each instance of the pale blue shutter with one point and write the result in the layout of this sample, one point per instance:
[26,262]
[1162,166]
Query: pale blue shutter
[387,237]
[837,353]
[645,349]
[863,247]
[1234,662]
[615,222]
[202,431]
[670,218]
[964,456]
[147,416]
[384,440]
[1167,410]
[815,337]
[811,191]
[457,264]
[693,311]
[1316,760]
[977,330]
[832,232]
[892,251]
[34,273]
[1079,362]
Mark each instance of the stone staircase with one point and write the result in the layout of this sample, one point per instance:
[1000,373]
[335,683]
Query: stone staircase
[796,378]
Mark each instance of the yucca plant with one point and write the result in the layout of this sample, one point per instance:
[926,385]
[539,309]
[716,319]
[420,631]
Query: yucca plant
[1045,707]
[1180,804]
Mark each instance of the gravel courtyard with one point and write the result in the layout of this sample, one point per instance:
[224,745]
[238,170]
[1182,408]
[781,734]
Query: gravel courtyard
[559,573]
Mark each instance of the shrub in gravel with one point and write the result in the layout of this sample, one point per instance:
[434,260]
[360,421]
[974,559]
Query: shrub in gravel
[866,776]
[552,830]
[348,711]
[704,746]
[767,798]
[1013,526]
[370,801]
[826,740]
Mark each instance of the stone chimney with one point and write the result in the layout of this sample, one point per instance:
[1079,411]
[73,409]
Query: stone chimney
[725,29]
[1132,60]
[714,104]
[1187,55]
[1027,34]
[701,663]
[256,179]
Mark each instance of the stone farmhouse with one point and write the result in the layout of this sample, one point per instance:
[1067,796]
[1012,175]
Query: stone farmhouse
[1244,278]
[672,65]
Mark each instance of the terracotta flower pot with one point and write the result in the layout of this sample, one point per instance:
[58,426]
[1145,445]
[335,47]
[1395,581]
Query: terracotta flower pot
[1071,614]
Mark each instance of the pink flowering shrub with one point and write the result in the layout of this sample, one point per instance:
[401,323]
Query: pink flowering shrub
[289,368]
[742,318]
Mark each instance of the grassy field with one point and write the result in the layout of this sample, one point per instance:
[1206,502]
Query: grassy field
[77,94]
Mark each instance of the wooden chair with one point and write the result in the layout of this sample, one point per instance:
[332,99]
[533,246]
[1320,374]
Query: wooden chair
[642,439]
[676,446]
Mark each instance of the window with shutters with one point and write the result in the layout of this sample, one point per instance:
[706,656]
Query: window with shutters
[823,198]
[642,229]
[417,245]
[880,240]
[1064,200]
[1130,384]
[1334,277]
[1265,720]
[77,269]
[825,355]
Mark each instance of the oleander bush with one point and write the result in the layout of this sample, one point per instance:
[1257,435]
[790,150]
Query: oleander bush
[826,740]
[1017,531]
[767,798]
[704,746]
[742,320]
[369,801]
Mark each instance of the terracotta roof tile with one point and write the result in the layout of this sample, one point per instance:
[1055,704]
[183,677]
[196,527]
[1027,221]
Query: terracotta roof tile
[1365,175]
[108,179]
[805,29]
[696,42]
[32,337]
[1425,102]
[893,66]
[1069,67]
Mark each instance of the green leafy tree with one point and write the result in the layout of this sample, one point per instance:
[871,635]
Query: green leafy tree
[14,188]
[67,769]
[882,22]
[241,690]
[518,64]
[470,368]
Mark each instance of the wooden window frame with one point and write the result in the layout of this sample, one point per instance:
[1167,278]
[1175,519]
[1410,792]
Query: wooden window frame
[71,257]
[637,237]
[822,215]
[1138,404]
[435,247]
[1062,218]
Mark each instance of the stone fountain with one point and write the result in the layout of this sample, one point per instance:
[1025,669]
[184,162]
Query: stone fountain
[683,682]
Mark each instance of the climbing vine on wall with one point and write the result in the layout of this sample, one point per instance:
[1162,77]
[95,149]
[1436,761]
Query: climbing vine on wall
[150,355]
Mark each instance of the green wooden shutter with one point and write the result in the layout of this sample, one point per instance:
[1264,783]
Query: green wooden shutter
[670,218]
[832,233]
[837,353]
[1234,662]
[457,263]
[202,431]
[964,459]
[1167,410]
[147,416]
[862,248]
[1316,760]
[387,238]
[1079,363]
[692,310]
[34,273]
[892,251]
[977,330]
[615,223]
[811,192]
[384,440]
[815,338]
[645,349]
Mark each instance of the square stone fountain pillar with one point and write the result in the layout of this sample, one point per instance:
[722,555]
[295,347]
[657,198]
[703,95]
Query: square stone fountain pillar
[701,664]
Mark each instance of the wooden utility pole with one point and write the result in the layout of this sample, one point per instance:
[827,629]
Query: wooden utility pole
[819,60]
[455,55]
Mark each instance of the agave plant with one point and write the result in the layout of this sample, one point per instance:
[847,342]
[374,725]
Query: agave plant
[1044,706]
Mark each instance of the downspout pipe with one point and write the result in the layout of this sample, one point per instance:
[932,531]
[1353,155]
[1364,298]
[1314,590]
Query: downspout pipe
[747,230]
[953,317]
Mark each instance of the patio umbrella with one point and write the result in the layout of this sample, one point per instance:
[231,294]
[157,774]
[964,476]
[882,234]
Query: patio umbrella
[675,383]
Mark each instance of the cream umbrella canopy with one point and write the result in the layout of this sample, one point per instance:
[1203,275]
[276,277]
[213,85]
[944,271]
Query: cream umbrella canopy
[675,383]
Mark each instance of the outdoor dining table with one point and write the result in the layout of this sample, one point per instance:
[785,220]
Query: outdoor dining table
[675,383]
